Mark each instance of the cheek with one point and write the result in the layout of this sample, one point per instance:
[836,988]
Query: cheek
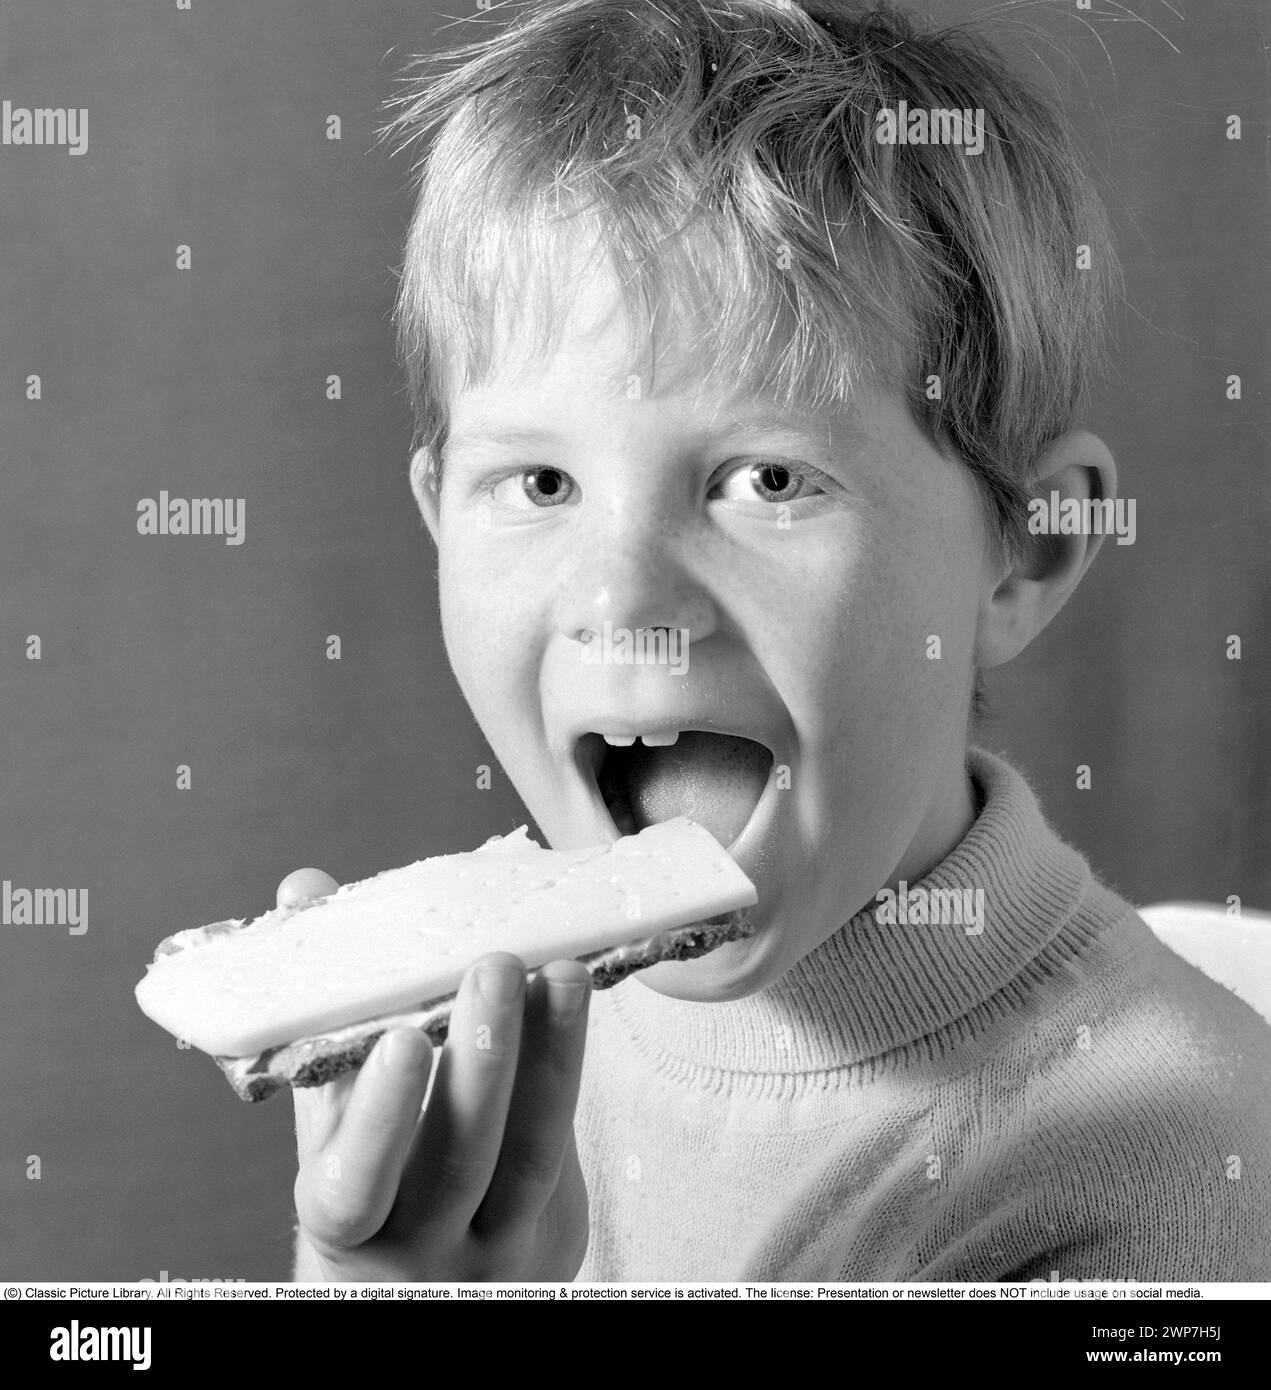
[484,623]
[893,654]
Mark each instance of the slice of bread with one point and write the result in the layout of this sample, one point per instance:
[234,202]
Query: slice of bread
[315,1061]
[298,996]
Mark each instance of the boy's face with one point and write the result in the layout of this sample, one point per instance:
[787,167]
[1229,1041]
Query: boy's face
[813,610]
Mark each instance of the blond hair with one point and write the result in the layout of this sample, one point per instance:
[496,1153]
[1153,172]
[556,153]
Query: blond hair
[725,155]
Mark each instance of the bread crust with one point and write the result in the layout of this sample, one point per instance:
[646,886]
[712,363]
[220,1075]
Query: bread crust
[315,1061]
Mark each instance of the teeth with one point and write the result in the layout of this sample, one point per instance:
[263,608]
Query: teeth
[620,740]
[663,740]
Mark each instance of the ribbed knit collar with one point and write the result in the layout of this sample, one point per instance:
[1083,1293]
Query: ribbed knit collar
[874,987]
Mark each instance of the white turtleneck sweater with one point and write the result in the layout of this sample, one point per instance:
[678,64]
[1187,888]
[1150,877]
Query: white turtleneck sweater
[1059,1096]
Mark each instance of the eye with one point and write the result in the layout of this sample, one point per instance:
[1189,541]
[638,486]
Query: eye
[774,482]
[541,487]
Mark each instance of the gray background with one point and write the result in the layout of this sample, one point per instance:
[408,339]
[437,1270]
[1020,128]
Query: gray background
[208,128]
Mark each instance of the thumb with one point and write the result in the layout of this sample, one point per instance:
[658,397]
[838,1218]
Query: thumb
[304,885]
[318,1108]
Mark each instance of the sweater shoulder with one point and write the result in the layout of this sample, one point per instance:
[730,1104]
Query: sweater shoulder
[1124,1131]
[1149,1030]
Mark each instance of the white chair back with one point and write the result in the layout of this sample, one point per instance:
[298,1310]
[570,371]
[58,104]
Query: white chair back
[1234,951]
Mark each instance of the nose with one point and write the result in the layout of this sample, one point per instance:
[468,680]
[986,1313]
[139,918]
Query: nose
[634,576]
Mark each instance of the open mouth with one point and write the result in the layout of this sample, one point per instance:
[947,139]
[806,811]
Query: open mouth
[713,779]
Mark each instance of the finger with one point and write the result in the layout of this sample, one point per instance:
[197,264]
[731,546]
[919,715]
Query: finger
[318,1110]
[458,1143]
[541,1115]
[345,1192]
[303,885]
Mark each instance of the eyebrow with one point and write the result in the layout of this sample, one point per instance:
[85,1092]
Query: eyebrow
[506,435]
[742,428]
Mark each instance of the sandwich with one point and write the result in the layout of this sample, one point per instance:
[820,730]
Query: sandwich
[300,996]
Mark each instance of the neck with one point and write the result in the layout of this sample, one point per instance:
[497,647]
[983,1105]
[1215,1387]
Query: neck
[949,817]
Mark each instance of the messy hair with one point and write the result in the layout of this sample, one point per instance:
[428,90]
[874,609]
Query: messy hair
[724,154]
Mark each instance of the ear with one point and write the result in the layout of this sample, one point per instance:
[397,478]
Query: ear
[425,484]
[1075,466]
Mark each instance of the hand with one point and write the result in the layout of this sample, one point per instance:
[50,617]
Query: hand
[486,1184]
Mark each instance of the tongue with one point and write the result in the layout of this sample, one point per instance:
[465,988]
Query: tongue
[714,779]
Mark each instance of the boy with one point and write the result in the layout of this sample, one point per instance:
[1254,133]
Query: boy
[720,324]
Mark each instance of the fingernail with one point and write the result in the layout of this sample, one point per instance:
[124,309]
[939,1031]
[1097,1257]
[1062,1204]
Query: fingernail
[567,998]
[402,1049]
[497,985]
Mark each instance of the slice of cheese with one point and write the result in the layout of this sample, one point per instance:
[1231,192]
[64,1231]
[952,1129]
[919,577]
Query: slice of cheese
[407,935]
